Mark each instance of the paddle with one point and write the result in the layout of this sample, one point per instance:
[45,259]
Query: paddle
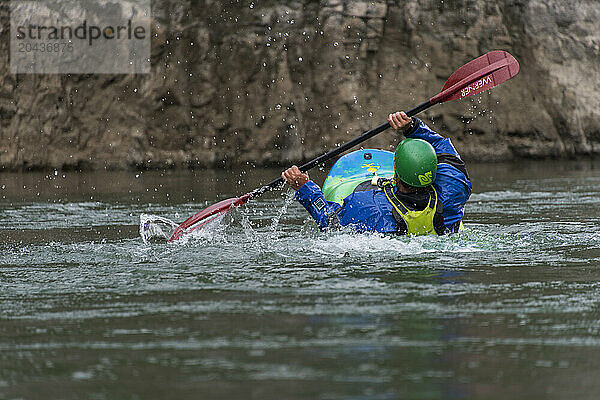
[483,73]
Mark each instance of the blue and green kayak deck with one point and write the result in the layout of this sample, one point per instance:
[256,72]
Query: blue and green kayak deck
[355,168]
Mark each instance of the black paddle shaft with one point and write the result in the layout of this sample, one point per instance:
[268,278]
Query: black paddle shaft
[346,146]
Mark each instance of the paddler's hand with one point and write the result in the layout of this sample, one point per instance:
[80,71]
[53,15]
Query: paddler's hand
[295,177]
[401,122]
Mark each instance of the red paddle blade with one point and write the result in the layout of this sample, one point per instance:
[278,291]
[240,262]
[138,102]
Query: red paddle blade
[479,75]
[208,214]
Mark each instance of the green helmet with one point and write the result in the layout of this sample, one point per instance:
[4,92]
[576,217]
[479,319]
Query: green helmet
[415,162]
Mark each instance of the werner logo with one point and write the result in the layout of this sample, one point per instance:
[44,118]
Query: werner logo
[426,178]
[475,86]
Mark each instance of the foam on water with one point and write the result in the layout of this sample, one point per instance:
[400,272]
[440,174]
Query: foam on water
[156,227]
[245,235]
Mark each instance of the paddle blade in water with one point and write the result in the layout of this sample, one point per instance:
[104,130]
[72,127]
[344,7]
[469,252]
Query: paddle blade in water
[200,219]
[479,75]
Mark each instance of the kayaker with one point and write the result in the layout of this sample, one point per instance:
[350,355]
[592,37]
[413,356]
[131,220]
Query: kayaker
[426,196]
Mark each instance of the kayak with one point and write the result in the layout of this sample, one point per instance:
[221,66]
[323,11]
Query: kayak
[355,168]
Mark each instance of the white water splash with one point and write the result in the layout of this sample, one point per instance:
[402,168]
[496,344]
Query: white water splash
[153,227]
[289,199]
[212,231]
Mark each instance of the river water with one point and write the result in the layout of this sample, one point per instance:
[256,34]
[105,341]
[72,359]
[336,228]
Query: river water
[263,306]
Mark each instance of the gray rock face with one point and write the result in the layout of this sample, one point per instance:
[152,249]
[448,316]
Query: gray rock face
[266,82]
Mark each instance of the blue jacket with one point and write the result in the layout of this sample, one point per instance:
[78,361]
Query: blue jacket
[370,211]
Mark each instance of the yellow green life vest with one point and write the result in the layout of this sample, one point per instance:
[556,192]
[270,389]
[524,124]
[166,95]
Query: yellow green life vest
[417,222]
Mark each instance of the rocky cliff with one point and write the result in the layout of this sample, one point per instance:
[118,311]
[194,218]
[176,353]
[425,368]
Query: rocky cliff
[263,82]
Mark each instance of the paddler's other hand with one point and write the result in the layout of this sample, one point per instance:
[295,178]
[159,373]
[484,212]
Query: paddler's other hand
[295,177]
[400,122]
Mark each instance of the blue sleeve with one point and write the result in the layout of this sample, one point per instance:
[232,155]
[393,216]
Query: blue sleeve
[323,211]
[454,190]
[441,144]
